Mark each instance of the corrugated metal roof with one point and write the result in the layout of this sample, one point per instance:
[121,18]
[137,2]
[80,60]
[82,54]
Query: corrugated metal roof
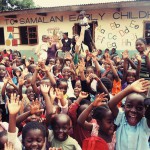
[58,3]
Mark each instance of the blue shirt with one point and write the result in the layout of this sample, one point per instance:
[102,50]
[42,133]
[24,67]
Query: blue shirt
[131,137]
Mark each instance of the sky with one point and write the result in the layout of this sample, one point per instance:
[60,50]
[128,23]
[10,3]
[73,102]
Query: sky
[53,3]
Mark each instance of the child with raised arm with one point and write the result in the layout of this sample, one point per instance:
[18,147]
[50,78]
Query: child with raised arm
[133,129]
[104,128]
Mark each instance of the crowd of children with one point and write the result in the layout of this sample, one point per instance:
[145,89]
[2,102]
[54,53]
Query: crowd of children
[81,100]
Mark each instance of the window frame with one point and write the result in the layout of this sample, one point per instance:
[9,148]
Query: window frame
[144,31]
[3,36]
[28,35]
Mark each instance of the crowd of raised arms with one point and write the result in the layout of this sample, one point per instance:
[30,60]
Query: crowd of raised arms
[75,98]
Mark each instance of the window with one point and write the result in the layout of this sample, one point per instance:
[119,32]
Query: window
[2,39]
[147,32]
[28,35]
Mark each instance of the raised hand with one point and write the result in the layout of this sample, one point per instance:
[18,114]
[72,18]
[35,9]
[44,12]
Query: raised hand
[125,54]
[14,104]
[99,98]
[52,94]
[8,146]
[44,88]
[35,107]
[140,85]
[83,95]
[59,94]
[138,57]
[146,52]
[81,65]
[21,80]
[5,80]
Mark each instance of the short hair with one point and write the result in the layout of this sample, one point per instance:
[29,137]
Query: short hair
[142,39]
[58,82]
[33,126]
[100,111]
[107,83]
[54,122]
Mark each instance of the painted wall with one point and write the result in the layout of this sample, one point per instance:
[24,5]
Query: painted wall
[118,29]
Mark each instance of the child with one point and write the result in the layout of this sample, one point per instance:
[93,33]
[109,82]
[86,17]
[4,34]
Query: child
[144,52]
[33,136]
[132,128]
[104,127]
[61,125]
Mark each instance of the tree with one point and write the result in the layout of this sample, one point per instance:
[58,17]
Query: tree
[16,4]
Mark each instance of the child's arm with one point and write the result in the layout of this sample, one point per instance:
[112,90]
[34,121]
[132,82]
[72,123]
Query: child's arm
[138,86]
[97,65]
[146,53]
[21,82]
[49,75]
[112,68]
[74,106]
[33,81]
[138,57]
[84,115]
[81,67]
[34,108]
[5,80]
[13,107]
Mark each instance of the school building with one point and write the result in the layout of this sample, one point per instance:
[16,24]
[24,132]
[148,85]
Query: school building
[120,23]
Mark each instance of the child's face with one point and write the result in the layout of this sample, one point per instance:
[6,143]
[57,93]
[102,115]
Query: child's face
[46,82]
[107,124]
[34,140]
[140,46]
[52,62]
[134,108]
[66,73]
[10,90]
[35,117]
[77,88]
[18,62]
[30,93]
[89,71]
[131,75]
[61,129]
[63,87]
[2,71]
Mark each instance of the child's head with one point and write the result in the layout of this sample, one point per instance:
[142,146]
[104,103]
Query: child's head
[17,72]
[105,120]
[131,76]
[28,79]
[33,136]
[31,68]
[3,139]
[18,62]
[34,117]
[77,88]
[61,124]
[10,90]
[90,70]
[30,93]
[141,45]
[2,71]
[66,72]
[134,108]
[46,81]
[62,85]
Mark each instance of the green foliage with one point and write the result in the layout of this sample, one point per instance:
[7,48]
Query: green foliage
[19,4]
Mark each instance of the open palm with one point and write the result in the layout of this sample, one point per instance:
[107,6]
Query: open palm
[14,105]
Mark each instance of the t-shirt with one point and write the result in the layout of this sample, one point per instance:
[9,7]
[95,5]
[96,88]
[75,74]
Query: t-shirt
[68,144]
[131,137]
